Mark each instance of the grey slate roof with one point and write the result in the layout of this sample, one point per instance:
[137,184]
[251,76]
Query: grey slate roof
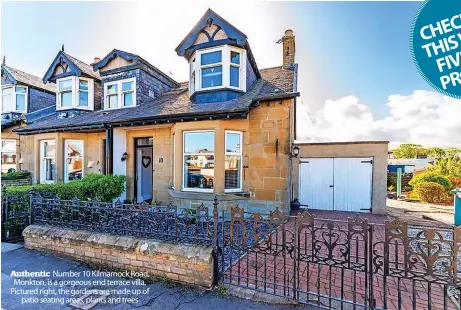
[85,68]
[30,79]
[275,83]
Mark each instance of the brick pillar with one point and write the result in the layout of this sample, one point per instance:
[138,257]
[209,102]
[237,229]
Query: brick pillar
[288,48]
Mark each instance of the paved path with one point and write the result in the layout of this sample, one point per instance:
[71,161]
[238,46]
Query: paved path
[161,295]
[421,213]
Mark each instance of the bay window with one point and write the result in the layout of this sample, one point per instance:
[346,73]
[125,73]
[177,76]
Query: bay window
[14,99]
[233,161]
[74,92]
[48,161]
[73,161]
[221,67]
[120,94]
[198,160]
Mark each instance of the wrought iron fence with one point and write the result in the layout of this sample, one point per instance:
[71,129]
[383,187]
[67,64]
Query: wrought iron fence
[329,263]
[343,264]
[168,222]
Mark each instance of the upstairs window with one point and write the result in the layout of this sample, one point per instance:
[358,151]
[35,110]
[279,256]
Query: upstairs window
[211,67]
[14,99]
[74,92]
[120,94]
[215,68]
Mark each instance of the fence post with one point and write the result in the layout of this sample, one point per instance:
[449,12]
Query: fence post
[457,206]
[31,195]
[215,239]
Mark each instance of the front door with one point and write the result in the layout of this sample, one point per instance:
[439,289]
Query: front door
[143,168]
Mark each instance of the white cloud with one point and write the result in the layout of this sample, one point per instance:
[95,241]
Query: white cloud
[424,117]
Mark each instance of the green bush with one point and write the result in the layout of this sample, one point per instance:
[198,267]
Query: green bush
[93,186]
[391,180]
[15,175]
[431,192]
[431,177]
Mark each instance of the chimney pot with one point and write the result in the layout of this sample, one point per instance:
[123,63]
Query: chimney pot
[97,59]
[289,49]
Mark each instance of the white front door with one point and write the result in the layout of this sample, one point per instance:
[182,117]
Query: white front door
[144,163]
[316,183]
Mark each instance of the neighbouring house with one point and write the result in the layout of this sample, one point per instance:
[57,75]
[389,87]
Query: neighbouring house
[227,131]
[25,99]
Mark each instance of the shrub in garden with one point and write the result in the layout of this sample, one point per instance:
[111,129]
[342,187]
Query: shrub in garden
[93,186]
[15,175]
[431,177]
[430,192]
[455,181]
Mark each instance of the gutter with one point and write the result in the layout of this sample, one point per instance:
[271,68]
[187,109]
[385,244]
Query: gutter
[277,97]
[189,117]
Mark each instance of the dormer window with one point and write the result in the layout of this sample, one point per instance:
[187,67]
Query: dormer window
[120,94]
[74,92]
[14,99]
[216,68]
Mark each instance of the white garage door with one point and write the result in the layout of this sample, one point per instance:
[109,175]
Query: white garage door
[343,184]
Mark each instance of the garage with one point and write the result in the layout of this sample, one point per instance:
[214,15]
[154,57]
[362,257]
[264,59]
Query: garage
[341,176]
[334,183]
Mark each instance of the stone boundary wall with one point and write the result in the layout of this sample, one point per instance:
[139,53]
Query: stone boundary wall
[16,182]
[190,264]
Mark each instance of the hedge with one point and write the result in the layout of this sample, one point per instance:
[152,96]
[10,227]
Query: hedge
[15,175]
[431,192]
[104,188]
[431,177]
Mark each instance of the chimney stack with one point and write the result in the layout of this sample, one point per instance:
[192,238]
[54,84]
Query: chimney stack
[288,48]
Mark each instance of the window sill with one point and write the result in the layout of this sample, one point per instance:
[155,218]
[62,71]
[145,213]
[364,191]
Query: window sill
[207,196]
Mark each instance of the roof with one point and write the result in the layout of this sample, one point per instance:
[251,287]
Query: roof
[29,79]
[275,83]
[129,57]
[77,67]
[234,37]
[85,68]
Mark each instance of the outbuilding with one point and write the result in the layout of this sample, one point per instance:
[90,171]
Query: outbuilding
[341,176]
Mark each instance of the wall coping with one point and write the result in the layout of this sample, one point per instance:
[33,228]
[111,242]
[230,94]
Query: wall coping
[340,143]
[182,252]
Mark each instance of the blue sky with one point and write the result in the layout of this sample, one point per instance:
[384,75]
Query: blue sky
[353,56]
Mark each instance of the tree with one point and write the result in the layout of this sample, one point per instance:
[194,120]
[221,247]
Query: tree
[409,151]
[450,164]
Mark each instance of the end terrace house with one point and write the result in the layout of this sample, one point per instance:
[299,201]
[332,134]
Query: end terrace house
[227,131]
[25,99]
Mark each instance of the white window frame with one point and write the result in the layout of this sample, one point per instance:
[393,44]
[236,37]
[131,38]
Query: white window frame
[120,93]
[66,167]
[75,81]
[196,66]
[184,154]
[42,162]
[226,153]
[14,94]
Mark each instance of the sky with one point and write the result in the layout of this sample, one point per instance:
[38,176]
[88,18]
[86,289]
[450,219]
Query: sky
[356,76]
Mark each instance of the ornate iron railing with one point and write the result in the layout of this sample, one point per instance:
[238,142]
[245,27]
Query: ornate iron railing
[343,263]
[141,220]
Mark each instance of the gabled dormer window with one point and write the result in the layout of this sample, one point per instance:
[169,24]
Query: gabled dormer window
[215,68]
[14,99]
[74,92]
[120,94]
